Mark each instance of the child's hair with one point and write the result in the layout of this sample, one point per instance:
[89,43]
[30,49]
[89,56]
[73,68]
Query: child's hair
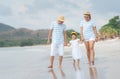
[74,33]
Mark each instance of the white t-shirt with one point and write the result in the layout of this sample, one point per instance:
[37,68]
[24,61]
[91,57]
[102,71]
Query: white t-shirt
[88,31]
[58,32]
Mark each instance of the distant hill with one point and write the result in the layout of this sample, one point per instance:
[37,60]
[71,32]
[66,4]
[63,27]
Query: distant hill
[4,28]
[9,33]
[10,36]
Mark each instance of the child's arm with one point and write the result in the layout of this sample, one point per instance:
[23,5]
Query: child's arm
[49,36]
[80,42]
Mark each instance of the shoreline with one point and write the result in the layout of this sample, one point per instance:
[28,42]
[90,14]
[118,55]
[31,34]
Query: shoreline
[115,39]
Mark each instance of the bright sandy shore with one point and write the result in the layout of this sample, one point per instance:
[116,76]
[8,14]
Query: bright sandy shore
[31,63]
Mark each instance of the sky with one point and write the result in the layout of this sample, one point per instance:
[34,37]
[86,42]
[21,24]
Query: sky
[39,14]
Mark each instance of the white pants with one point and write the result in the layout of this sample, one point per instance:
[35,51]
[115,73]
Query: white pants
[57,48]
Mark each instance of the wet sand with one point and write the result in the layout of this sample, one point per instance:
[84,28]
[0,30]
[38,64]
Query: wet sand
[32,62]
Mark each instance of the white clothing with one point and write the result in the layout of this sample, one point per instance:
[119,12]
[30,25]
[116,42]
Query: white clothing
[88,31]
[57,48]
[58,32]
[76,52]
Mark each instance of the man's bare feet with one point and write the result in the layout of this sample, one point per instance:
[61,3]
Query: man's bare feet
[51,70]
[50,66]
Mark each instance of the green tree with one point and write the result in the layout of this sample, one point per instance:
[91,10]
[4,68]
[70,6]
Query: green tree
[28,42]
[111,29]
[108,32]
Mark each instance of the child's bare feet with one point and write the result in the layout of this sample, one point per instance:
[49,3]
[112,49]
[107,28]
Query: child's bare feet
[78,64]
[50,66]
[75,67]
[78,67]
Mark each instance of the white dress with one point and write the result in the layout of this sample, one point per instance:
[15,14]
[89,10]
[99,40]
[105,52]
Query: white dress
[76,52]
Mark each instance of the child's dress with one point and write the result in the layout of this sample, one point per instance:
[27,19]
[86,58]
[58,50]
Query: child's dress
[76,52]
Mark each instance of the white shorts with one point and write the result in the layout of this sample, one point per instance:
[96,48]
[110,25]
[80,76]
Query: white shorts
[90,39]
[57,48]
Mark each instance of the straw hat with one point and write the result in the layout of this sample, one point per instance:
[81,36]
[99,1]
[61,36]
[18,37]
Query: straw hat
[61,18]
[74,33]
[87,13]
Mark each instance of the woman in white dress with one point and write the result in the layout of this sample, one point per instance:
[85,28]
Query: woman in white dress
[76,53]
[88,36]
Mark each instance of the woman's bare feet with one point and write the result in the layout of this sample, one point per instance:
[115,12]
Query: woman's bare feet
[60,66]
[93,63]
[50,66]
[89,63]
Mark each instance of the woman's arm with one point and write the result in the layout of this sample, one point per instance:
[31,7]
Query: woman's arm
[81,33]
[96,34]
[49,36]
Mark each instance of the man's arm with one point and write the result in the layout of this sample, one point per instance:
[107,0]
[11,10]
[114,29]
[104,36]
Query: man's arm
[49,36]
[65,38]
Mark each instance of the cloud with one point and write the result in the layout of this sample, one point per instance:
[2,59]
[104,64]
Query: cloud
[5,10]
[38,14]
[106,6]
[46,11]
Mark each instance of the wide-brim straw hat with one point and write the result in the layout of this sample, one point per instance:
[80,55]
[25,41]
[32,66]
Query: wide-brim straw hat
[87,13]
[61,18]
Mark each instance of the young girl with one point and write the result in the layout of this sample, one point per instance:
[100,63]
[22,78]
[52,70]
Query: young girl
[76,52]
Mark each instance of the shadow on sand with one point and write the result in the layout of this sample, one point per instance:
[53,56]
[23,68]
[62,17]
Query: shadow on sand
[51,71]
[79,73]
[93,73]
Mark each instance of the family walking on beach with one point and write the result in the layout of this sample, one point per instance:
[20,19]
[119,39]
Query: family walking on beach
[88,35]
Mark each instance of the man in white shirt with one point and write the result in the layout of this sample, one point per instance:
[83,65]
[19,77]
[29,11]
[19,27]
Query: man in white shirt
[58,34]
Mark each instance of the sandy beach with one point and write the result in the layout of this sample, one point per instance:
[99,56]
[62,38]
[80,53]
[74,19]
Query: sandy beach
[31,63]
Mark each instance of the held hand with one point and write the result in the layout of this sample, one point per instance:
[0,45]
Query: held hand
[96,39]
[68,44]
[65,44]
[82,39]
